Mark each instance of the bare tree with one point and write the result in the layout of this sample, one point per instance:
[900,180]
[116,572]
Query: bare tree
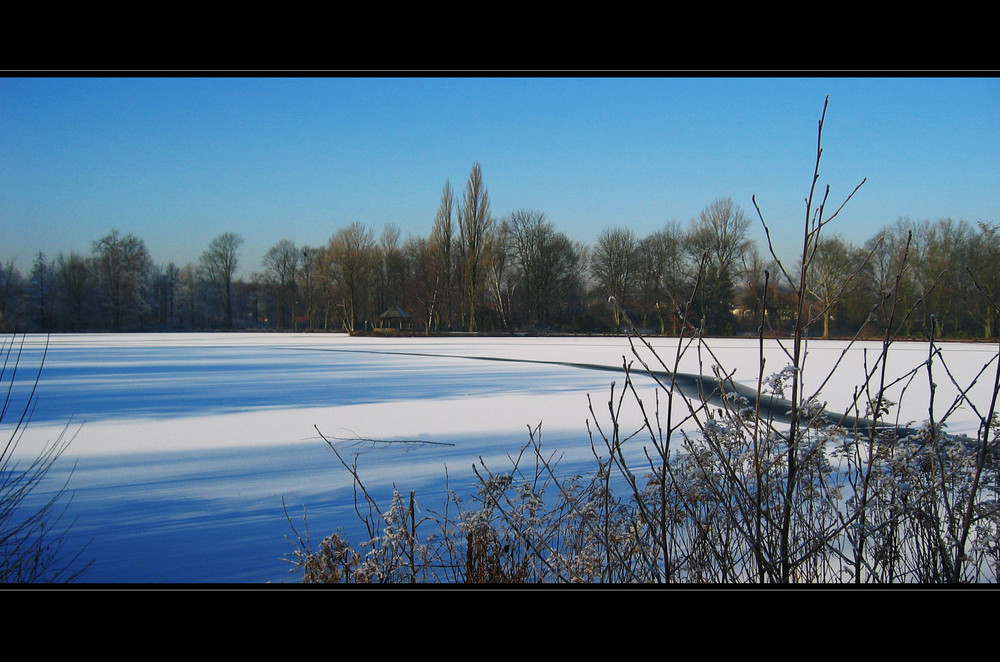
[474,226]
[982,260]
[716,241]
[218,263]
[833,265]
[280,266]
[163,282]
[391,268]
[529,234]
[888,272]
[188,305]
[354,255]
[499,274]
[613,264]
[11,284]
[662,275]
[75,285]
[760,298]
[42,291]
[442,256]
[310,268]
[122,263]
[423,291]
[944,263]
[545,261]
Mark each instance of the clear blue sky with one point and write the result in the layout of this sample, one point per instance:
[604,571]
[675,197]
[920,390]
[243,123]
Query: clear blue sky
[177,161]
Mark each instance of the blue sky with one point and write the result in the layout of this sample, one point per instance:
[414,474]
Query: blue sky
[177,161]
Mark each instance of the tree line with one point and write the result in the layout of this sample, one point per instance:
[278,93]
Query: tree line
[518,273]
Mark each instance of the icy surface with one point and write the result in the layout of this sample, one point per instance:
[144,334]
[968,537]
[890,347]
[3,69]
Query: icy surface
[186,444]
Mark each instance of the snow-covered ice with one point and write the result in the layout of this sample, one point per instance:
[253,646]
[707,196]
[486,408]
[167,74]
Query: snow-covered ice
[186,444]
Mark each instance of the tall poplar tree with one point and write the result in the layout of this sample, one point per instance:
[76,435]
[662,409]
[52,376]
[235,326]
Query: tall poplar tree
[474,227]
[442,255]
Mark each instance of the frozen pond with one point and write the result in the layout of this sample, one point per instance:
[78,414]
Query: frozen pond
[186,444]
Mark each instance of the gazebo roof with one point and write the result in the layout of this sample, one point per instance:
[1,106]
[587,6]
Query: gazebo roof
[394,313]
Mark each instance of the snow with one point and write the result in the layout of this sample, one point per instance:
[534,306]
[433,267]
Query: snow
[187,445]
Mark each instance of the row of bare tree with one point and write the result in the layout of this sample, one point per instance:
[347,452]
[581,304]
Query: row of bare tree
[519,273]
